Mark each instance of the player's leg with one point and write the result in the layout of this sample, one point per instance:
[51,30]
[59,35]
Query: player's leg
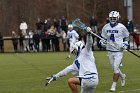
[123,77]
[70,49]
[115,76]
[116,65]
[89,85]
[73,82]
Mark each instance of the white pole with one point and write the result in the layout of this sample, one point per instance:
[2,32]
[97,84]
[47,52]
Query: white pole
[129,9]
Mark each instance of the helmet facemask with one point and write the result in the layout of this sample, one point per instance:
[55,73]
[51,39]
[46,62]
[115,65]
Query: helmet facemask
[114,17]
[70,27]
[77,47]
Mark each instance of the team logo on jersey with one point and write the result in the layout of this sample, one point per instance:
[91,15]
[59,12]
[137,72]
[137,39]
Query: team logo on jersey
[112,31]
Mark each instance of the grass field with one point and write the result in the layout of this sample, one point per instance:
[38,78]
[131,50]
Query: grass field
[26,72]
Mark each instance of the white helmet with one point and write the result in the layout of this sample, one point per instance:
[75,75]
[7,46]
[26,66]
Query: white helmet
[70,27]
[77,47]
[114,17]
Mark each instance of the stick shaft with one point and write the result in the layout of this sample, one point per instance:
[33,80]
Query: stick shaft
[133,53]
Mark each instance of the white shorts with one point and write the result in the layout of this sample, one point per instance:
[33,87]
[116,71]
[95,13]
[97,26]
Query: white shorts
[89,85]
[115,60]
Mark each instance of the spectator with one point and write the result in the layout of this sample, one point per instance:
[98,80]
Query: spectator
[39,26]
[36,39]
[93,24]
[58,26]
[64,40]
[1,43]
[52,32]
[47,41]
[45,25]
[31,42]
[129,25]
[136,37]
[43,41]
[64,24]
[49,23]
[21,38]
[57,41]
[26,43]
[15,41]
[23,27]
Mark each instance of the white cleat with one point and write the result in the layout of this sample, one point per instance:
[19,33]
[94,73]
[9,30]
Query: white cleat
[112,89]
[123,80]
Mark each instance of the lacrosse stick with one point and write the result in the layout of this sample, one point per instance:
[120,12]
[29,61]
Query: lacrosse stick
[77,23]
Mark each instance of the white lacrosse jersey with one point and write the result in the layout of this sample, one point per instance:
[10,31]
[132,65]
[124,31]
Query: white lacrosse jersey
[114,35]
[85,63]
[73,36]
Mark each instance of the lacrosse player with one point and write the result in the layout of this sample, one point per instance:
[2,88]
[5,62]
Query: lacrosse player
[73,37]
[116,34]
[84,64]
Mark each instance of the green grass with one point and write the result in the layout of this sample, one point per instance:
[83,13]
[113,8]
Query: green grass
[26,72]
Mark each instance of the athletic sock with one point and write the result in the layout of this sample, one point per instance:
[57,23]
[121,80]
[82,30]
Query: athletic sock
[114,84]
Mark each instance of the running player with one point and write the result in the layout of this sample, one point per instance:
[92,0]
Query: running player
[116,34]
[73,37]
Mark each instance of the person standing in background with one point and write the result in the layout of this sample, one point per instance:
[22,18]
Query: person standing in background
[23,27]
[1,43]
[15,41]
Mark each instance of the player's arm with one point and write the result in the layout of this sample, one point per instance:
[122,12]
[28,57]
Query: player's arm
[89,40]
[104,40]
[76,35]
[125,38]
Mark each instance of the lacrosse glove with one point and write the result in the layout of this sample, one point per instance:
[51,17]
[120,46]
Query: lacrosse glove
[124,45]
[52,77]
[89,30]
[103,42]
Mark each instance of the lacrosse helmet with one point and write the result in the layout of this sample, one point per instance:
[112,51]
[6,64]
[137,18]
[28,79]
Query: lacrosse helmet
[77,47]
[70,27]
[114,17]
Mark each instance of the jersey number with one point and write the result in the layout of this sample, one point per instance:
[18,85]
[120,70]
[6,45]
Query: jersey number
[70,36]
[112,38]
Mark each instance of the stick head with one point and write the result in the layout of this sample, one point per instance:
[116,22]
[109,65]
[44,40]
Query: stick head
[77,23]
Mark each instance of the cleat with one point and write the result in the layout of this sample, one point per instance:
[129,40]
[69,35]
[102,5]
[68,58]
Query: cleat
[123,80]
[112,89]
